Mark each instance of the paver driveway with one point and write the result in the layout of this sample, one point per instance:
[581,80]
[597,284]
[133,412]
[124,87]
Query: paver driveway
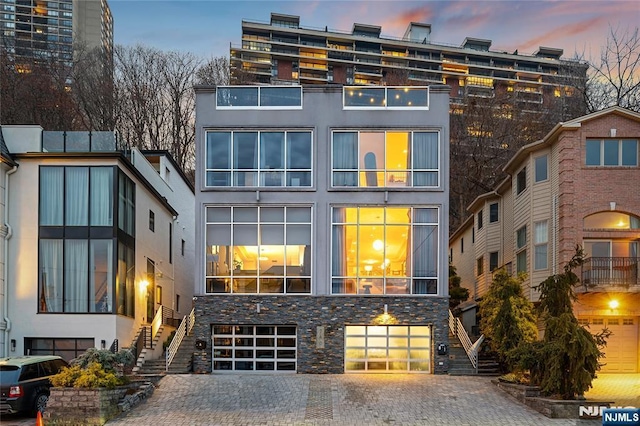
[346,399]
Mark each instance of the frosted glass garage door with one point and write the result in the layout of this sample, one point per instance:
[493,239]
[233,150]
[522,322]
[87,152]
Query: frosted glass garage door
[254,348]
[388,348]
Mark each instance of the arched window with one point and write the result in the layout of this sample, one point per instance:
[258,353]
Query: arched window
[611,220]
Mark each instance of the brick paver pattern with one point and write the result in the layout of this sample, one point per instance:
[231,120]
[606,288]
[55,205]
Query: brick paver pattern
[346,399]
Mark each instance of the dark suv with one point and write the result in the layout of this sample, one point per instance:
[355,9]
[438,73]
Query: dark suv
[24,382]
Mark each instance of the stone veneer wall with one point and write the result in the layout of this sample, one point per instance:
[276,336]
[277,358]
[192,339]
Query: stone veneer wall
[79,406]
[310,312]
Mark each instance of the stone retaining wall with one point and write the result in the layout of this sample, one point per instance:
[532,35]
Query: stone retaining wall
[331,313]
[80,406]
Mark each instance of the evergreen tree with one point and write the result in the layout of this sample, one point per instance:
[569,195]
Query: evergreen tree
[457,294]
[566,361]
[507,316]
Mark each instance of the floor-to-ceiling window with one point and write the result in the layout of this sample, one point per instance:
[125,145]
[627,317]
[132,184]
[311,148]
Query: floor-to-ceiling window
[258,249]
[77,239]
[384,250]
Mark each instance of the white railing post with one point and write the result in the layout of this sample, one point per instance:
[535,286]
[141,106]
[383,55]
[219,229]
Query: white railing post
[470,348]
[185,327]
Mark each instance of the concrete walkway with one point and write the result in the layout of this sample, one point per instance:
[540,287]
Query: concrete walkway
[346,399]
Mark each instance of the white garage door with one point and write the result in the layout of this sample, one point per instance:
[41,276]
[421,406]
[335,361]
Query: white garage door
[387,348]
[621,352]
[248,348]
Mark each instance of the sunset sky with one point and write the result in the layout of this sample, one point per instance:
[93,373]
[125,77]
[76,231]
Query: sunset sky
[207,27]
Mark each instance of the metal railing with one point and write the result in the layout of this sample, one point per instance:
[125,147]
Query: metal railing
[141,341]
[610,271]
[164,316]
[183,330]
[470,348]
[114,348]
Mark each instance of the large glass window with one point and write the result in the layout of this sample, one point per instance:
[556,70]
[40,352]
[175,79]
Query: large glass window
[521,180]
[258,159]
[258,250]
[76,247]
[386,97]
[75,275]
[611,152]
[384,250]
[67,348]
[271,97]
[611,220]
[385,159]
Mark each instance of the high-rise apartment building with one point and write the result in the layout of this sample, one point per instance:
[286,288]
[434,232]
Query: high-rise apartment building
[43,30]
[282,50]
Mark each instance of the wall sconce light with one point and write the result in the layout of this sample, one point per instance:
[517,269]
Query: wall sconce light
[257,307]
[13,345]
[143,285]
[613,304]
[103,344]
[385,309]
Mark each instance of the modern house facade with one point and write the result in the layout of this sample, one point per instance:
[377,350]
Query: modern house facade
[576,187]
[52,30]
[100,244]
[321,214]
[282,51]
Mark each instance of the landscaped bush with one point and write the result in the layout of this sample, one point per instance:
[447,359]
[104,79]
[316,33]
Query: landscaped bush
[95,369]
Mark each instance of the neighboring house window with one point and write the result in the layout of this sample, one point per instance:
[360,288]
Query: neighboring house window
[493,261]
[611,152]
[258,159]
[473,235]
[479,216]
[385,159]
[480,265]
[493,212]
[461,245]
[152,221]
[611,220]
[76,247]
[384,250]
[541,168]
[541,238]
[182,244]
[258,249]
[521,253]
[521,180]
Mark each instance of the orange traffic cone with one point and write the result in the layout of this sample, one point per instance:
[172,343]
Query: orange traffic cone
[39,421]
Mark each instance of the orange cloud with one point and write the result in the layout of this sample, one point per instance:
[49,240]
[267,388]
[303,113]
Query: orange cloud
[563,32]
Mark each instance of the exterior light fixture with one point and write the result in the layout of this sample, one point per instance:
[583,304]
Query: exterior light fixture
[13,345]
[258,307]
[378,245]
[143,285]
[386,309]
[613,304]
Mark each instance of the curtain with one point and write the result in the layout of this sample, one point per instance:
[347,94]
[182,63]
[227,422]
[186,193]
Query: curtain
[245,158]
[51,196]
[101,276]
[76,275]
[425,159]
[51,276]
[77,196]
[345,158]
[338,248]
[425,243]
[101,210]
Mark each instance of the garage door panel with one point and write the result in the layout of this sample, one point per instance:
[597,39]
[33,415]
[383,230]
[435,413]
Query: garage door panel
[258,348]
[387,348]
[621,351]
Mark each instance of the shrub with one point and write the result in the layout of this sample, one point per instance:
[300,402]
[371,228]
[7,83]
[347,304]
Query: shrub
[95,369]
[93,376]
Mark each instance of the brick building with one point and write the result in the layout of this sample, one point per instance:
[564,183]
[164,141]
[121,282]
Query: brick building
[577,186]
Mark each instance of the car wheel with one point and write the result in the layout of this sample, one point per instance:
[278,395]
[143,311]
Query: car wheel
[40,403]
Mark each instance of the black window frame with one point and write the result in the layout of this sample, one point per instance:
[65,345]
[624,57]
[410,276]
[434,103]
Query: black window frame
[494,212]
[521,181]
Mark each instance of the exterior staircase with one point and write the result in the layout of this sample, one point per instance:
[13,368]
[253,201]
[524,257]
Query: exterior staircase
[460,365]
[181,364]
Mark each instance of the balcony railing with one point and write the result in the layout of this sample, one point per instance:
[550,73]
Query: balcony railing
[610,272]
[102,141]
